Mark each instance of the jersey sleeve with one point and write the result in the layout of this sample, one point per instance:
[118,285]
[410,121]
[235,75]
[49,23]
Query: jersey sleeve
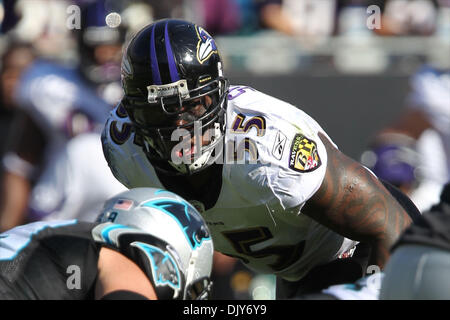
[114,156]
[123,152]
[291,157]
[430,93]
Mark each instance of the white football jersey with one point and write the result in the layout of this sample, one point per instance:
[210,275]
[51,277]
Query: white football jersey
[431,94]
[75,184]
[61,104]
[257,216]
[432,173]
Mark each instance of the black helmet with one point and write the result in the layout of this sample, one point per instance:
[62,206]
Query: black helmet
[172,78]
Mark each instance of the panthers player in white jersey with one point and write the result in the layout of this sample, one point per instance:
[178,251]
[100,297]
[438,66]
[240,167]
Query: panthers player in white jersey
[273,188]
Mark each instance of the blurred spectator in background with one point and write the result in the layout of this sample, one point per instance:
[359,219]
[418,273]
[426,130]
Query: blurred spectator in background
[217,16]
[8,16]
[413,153]
[43,23]
[15,57]
[299,17]
[100,47]
[324,18]
[309,18]
[409,17]
[163,9]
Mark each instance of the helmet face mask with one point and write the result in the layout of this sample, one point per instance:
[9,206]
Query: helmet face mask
[172,78]
[199,290]
[158,122]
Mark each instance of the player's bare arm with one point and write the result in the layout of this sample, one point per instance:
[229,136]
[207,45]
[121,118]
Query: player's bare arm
[354,203]
[111,264]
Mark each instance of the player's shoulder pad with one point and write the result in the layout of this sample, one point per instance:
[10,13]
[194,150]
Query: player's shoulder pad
[121,146]
[118,128]
[275,147]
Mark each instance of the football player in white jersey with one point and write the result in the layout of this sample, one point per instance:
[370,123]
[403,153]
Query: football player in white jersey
[75,183]
[56,103]
[414,151]
[272,186]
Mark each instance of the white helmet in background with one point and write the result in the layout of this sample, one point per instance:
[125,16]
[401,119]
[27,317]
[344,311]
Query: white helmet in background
[165,235]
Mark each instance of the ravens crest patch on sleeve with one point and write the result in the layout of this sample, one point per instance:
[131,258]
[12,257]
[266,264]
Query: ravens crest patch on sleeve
[304,156]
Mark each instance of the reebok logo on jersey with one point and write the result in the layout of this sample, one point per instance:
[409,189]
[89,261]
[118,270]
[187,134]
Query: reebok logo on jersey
[304,156]
[278,147]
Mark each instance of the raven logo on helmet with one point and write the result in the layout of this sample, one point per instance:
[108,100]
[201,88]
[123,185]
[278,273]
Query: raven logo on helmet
[180,65]
[126,67]
[206,45]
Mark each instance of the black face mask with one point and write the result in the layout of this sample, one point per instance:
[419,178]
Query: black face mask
[156,122]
